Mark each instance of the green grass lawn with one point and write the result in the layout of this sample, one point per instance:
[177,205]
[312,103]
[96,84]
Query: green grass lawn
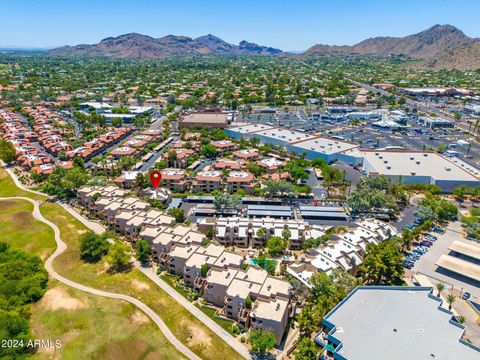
[170,280]
[187,328]
[8,188]
[124,332]
[21,231]
[227,325]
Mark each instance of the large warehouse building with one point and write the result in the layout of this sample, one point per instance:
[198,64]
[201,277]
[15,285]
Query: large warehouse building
[401,166]
[388,322]
[313,146]
[419,167]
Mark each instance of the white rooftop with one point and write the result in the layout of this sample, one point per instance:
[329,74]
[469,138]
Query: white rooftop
[405,323]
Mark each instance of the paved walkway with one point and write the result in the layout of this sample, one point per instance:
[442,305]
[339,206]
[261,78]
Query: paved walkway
[61,247]
[92,225]
[148,271]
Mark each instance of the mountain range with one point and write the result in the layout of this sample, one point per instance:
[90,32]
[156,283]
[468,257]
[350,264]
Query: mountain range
[441,46]
[135,45]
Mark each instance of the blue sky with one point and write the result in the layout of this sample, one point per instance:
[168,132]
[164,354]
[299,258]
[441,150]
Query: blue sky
[289,25]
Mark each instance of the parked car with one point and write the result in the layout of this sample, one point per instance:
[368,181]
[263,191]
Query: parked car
[430,238]
[420,250]
[438,230]
[466,295]
[410,227]
[426,243]
[408,264]
[416,256]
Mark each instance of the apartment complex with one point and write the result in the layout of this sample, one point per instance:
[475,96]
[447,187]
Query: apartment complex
[255,232]
[244,293]
[345,250]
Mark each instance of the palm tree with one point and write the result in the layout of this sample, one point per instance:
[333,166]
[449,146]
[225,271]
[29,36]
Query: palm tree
[440,287]
[461,319]
[450,300]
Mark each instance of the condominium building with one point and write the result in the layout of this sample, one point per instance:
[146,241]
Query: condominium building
[243,180]
[246,232]
[174,179]
[344,250]
[207,181]
[246,154]
[270,164]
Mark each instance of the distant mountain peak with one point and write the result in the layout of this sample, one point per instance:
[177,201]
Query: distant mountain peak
[440,46]
[144,46]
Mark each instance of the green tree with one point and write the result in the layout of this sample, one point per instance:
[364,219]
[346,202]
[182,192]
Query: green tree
[248,302]
[204,270]
[310,319]
[262,341]
[440,287]
[426,213]
[383,264]
[208,150]
[450,300]
[64,183]
[178,214]
[7,151]
[261,233]
[460,192]
[93,247]
[276,245]
[143,250]
[142,181]
[321,286]
[227,201]
[306,350]
[23,281]
[116,122]
[119,257]
[79,162]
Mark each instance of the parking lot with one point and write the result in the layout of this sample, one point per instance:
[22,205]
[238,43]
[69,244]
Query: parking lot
[426,264]
[413,137]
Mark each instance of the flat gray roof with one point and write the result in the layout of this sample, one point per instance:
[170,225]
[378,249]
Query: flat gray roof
[269,207]
[322,208]
[459,266]
[419,163]
[400,323]
[464,248]
[204,118]
[323,214]
[269,213]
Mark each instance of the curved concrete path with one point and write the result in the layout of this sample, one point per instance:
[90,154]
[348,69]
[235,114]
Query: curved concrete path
[61,247]
[149,272]
[98,229]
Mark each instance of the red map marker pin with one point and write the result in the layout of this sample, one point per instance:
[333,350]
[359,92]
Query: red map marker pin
[155,178]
